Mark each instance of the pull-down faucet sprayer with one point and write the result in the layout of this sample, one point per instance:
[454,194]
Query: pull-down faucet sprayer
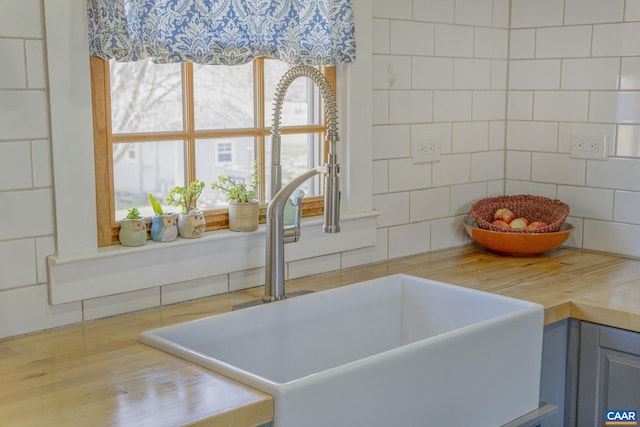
[277,233]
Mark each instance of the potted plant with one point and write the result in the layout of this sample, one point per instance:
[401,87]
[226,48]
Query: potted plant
[133,231]
[164,227]
[191,222]
[243,206]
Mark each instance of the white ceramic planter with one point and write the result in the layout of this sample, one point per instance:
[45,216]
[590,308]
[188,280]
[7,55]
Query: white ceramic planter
[191,225]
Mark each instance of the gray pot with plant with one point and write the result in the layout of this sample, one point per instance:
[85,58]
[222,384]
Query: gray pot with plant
[133,231]
[244,210]
[191,221]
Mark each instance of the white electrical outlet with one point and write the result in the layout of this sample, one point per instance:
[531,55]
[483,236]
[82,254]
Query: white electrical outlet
[590,147]
[425,149]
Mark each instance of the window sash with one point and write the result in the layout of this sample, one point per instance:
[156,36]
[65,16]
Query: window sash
[217,219]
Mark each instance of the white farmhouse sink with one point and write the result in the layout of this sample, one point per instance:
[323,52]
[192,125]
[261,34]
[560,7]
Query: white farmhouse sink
[395,351]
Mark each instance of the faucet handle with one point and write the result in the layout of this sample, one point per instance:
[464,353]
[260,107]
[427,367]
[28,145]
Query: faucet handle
[291,233]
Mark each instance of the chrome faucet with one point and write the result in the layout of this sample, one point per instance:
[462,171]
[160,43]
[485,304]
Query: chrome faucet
[277,233]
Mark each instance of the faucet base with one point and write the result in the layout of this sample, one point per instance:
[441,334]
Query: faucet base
[262,301]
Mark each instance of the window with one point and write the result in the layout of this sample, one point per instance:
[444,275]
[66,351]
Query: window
[158,126]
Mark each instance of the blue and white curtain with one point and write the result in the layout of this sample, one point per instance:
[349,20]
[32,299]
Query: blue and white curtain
[228,32]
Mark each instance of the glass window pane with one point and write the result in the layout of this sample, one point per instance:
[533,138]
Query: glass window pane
[298,154]
[143,168]
[145,97]
[214,157]
[223,96]
[299,105]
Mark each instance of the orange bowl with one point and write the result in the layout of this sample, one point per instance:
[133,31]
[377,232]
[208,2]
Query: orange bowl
[517,244]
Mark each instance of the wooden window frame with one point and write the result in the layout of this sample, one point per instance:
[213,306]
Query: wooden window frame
[217,219]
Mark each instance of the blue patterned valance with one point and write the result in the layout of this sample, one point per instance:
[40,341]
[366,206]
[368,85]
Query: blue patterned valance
[229,32]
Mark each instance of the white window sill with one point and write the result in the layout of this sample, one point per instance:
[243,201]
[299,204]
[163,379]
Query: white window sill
[116,269]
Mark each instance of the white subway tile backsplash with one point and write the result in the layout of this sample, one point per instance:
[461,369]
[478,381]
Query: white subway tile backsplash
[463,196]
[557,169]
[452,169]
[488,105]
[380,107]
[400,66]
[534,74]
[35,64]
[627,207]
[497,135]
[540,13]
[501,9]
[495,188]
[491,43]
[23,115]
[29,310]
[520,105]
[380,176]
[15,165]
[615,107]
[400,9]
[409,239]
[45,246]
[518,165]
[454,40]
[470,137]
[21,19]
[13,64]
[522,44]
[404,175]
[429,204]
[498,74]
[529,187]
[616,39]
[41,163]
[447,233]
[612,237]
[391,141]
[247,279]
[99,308]
[487,166]
[615,173]
[25,213]
[471,74]
[432,73]
[532,136]
[394,208]
[17,263]
[442,131]
[452,106]
[630,73]
[632,10]
[563,42]
[590,74]
[474,12]
[316,265]
[581,202]
[194,289]
[566,106]
[411,38]
[411,106]
[592,11]
[434,10]
[381,35]
[628,144]
[369,254]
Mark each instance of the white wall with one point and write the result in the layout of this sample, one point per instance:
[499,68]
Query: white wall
[503,128]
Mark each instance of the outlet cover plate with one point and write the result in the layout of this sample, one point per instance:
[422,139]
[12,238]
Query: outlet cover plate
[426,149]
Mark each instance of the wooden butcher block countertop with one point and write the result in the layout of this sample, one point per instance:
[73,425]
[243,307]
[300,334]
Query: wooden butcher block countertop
[98,374]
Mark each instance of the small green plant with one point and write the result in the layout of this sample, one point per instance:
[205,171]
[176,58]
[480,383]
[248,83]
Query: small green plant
[186,198]
[236,190]
[156,206]
[133,213]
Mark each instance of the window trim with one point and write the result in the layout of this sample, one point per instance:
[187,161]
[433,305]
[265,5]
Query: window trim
[217,219]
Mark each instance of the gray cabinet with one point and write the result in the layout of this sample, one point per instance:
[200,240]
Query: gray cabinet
[609,373]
